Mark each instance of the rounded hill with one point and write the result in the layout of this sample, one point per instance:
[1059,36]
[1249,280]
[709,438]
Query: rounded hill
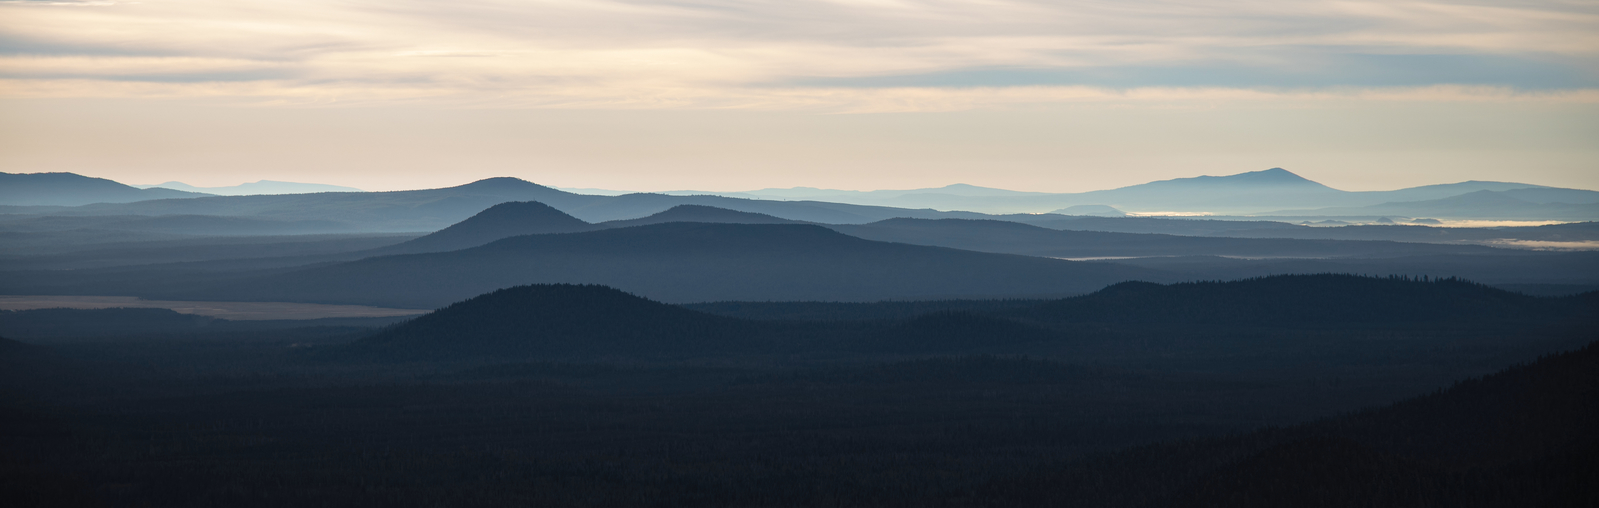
[504,220]
[551,320]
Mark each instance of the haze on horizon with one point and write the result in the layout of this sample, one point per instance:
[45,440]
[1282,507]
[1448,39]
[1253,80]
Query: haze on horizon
[724,95]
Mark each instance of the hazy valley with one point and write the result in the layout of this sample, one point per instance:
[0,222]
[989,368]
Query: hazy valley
[507,343]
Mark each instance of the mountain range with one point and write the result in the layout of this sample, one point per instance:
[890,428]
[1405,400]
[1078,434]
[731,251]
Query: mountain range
[69,189]
[1274,191]
[554,321]
[1245,193]
[695,253]
[253,188]
[1532,203]
[686,262]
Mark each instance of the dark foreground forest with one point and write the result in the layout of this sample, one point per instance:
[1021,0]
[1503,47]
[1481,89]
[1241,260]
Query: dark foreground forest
[1282,391]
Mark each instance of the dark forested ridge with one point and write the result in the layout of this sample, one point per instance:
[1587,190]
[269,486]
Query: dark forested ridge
[684,262]
[519,218]
[556,320]
[59,324]
[700,213]
[582,395]
[560,321]
[1305,300]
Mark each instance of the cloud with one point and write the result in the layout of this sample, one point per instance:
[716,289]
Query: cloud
[839,54]
[83,3]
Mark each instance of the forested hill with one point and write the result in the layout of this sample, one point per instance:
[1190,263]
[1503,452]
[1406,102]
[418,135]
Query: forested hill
[700,213]
[517,218]
[552,320]
[1521,437]
[1304,300]
[503,220]
[569,321]
[685,262]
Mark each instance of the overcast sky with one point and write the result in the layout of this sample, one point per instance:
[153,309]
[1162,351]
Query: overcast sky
[854,94]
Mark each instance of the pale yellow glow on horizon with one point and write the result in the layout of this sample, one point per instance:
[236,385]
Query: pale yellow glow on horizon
[729,95]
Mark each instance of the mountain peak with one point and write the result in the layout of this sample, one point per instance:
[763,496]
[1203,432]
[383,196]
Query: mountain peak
[1269,176]
[502,182]
[512,218]
[1273,178]
[701,213]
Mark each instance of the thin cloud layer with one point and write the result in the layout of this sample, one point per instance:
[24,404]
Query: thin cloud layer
[849,55]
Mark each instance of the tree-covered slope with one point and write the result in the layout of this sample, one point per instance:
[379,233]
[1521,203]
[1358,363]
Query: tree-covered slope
[686,262]
[503,220]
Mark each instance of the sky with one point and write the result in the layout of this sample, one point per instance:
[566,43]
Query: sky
[724,95]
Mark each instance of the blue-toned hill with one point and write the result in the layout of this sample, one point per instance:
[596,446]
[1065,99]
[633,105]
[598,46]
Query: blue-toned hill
[503,220]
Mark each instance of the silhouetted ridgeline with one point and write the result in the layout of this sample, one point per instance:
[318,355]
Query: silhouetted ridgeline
[519,218]
[499,221]
[699,213]
[557,321]
[581,395]
[682,262]
[1033,240]
[1280,300]
[543,322]
[553,321]
[1302,300]
[68,189]
[1521,437]
[49,325]
[853,311]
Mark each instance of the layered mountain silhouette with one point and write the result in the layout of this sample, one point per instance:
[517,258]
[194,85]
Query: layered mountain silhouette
[206,225]
[257,187]
[503,220]
[518,218]
[687,262]
[555,320]
[434,209]
[1571,232]
[700,213]
[549,321]
[1303,300]
[1091,211]
[1017,238]
[1244,193]
[1483,204]
[69,189]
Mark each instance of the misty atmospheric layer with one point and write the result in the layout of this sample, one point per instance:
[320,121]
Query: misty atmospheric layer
[731,253]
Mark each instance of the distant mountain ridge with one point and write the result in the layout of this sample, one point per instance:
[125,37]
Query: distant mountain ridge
[1296,300]
[70,189]
[511,218]
[434,209]
[686,262]
[1244,193]
[255,188]
[1241,194]
[553,320]
[1018,238]
[699,213]
[566,320]
[1482,204]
